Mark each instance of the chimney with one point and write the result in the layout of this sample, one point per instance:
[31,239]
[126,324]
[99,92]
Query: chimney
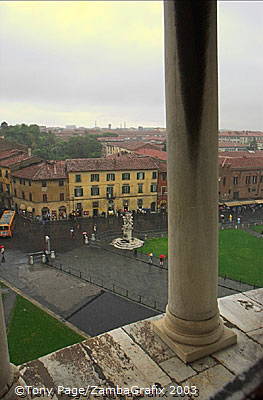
[29,150]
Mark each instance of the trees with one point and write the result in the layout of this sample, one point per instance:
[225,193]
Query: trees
[48,146]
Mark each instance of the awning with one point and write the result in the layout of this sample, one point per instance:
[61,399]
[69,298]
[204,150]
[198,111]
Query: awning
[242,203]
[259,201]
[29,209]
[22,207]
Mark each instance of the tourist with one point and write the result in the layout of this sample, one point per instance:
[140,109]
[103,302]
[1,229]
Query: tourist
[150,255]
[2,250]
[161,257]
[72,233]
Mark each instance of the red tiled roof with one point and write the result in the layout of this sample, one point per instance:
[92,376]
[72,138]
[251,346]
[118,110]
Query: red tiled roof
[9,153]
[8,162]
[161,155]
[242,162]
[127,162]
[45,170]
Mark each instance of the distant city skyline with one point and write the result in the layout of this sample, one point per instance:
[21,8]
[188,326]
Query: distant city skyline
[74,63]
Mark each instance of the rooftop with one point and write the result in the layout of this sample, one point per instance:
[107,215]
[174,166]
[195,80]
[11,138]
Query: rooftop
[134,355]
[107,164]
[43,170]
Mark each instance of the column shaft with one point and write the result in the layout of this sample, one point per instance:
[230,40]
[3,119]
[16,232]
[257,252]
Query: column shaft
[6,372]
[192,316]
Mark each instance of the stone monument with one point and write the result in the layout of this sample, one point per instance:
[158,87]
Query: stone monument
[127,242]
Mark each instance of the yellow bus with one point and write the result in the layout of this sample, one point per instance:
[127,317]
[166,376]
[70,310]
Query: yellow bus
[7,222]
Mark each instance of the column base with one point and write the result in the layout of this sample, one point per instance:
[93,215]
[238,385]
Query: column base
[188,353]
[15,380]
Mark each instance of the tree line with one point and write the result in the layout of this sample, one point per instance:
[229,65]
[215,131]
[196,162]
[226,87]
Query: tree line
[49,147]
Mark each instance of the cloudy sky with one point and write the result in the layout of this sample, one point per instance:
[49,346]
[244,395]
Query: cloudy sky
[71,62]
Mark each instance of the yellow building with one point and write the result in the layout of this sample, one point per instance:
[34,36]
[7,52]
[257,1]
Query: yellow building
[42,190]
[101,185]
[11,160]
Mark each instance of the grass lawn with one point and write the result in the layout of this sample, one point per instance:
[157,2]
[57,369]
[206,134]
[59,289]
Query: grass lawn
[240,255]
[33,333]
[257,228]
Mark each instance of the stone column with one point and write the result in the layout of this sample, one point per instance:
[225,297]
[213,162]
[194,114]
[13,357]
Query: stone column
[192,326]
[8,373]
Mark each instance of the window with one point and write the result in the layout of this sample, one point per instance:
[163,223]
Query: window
[20,181]
[6,174]
[95,191]
[109,191]
[61,182]
[235,180]
[247,180]
[77,178]
[23,195]
[153,187]
[126,176]
[140,175]
[95,177]
[14,192]
[125,189]
[140,187]
[254,179]
[110,177]
[29,183]
[24,181]
[261,179]
[14,181]
[236,195]
[78,191]
[44,184]
[154,175]
[61,196]
[163,190]
[224,181]
[44,198]
[140,203]
[8,188]
[30,197]
[164,176]
[95,204]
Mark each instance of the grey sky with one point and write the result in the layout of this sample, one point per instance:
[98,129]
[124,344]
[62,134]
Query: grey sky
[77,62]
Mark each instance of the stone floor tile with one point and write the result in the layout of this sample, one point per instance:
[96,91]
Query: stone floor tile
[143,334]
[256,295]
[121,361]
[209,381]
[239,357]
[241,311]
[177,369]
[257,335]
[203,363]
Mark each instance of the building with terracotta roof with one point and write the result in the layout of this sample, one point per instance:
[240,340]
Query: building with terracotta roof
[104,185]
[42,189]
[241,177]
[10,160]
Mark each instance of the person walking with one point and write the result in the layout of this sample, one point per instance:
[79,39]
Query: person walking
[161,257]
[72,233]
[2,250]
[150,255]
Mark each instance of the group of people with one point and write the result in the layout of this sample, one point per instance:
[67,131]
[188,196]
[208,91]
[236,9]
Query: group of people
[150,257]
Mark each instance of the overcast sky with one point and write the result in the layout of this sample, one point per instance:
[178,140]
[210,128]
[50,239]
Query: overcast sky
[70,62]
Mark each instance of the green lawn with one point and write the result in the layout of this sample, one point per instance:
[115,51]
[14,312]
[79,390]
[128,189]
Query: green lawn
[257,228]
[33,333]
[240,255]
